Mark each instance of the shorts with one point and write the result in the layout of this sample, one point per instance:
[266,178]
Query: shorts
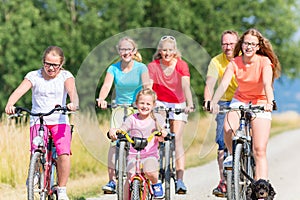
[150,164]
[180,117]
[61,134]
[262,115]
[220,126]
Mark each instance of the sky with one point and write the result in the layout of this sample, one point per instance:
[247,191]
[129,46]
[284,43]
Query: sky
[287,94]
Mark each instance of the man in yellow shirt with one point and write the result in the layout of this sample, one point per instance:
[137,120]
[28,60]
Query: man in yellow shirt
[215,73]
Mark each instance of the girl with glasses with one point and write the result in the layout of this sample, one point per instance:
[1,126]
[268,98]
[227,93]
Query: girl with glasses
[129,75]
[50,86]
[255,70]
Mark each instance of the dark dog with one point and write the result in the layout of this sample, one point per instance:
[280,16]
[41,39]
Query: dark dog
[260,190]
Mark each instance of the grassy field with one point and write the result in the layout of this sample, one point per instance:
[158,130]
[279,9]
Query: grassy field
[89,151]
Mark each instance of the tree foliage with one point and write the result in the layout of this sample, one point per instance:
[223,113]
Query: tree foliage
[78,26]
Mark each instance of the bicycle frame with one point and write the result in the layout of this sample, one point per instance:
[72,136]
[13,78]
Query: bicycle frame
[167,169]
[139,187]
[243,160]
[121,149]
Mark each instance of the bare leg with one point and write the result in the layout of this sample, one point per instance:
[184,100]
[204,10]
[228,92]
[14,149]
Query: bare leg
[261,132]
[177,127]
[63,169]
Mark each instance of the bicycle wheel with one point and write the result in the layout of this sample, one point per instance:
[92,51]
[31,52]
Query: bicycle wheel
[121,166]
[240,181]
[53,177]
[167,170]
[135,193]
[161,162]
[229,184]
[36,183]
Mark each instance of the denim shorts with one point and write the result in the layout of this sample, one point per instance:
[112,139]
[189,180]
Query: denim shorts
[220,126]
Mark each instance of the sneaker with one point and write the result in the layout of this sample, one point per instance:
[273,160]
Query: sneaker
[220,190]
[110,187]
[180,187]
[158,191]
[62,193]
[227,164]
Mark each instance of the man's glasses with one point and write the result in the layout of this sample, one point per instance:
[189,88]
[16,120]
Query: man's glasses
[228,44]
[126,50]
[251,44]
[167,37]
[54,65]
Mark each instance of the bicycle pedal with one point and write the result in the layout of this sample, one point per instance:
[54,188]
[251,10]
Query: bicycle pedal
[181,192]
[109,192]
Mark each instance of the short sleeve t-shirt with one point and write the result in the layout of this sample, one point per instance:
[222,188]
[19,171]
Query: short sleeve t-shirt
[127,84]
[46,94]
[143,128]
[251,87]
[168,87]
[216,69]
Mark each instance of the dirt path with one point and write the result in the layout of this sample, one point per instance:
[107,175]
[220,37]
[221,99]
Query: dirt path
[284,172]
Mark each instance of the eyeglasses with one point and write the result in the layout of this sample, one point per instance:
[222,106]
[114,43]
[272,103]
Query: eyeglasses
[228,44]
[122,50]
[251,44]
[54,65]
[167,37]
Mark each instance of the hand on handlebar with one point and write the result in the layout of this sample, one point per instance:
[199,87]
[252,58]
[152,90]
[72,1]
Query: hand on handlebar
[112,134]
[214,108]
[10,110]
[102,103]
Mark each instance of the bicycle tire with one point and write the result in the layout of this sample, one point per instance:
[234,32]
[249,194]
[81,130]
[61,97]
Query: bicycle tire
[53,176]
[36,174]
[167,171]
[239,180]
[229,184]
[121,170]
[135,190]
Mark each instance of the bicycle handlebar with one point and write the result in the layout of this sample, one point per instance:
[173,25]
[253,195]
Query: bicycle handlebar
[170,109]
[18,111]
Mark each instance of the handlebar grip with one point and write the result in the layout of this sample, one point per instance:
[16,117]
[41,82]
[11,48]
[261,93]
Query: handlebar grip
[107,135]
[274,105]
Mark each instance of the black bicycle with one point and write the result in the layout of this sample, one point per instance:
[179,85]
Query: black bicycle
[122,147]
[243,169]
[42,173]
[167,161]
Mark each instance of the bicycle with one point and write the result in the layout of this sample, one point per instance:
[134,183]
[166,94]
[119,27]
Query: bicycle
[140,186]
[167,162]
[42,173]
[240,175]
[122,148]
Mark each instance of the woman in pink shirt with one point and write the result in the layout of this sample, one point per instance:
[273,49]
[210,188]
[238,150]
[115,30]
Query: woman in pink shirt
[255,71]
[170,79]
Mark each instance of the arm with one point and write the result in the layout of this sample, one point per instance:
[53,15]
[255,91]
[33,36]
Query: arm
[16,95]
[72,92]
[221,88]
[146,80]
[267,80]
[187,92]
[209,90]
[107,84]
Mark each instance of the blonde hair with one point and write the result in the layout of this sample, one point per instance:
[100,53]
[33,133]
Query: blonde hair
[55,51]
[137,56]
[265,49]
[150,92]
[162,41]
